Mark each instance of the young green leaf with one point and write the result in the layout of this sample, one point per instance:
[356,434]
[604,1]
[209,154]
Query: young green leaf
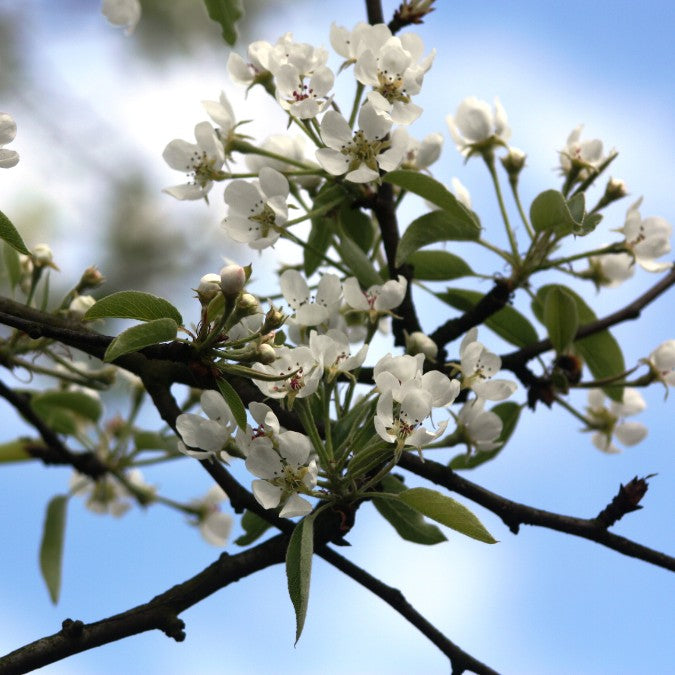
[357,226]
[508,322]
[549,211]
[433,227]
[446,511]
[226,13]
[299,569]
[12,264]
[77,402]
[254,527]
[51,547]
[560,318]
[145,334]
[10,234]
[14,451]
[439,266]
[600,351]
[233,401]
[508,412]
[134,305]
[357,261]
[408,522]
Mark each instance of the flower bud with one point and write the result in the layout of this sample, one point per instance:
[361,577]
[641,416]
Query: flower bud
[513,162]
[232,280]
[209,287]
[91,278]
[273,319]
[79,305]
[42,256]
[266,354]
[419,343]
[247,304]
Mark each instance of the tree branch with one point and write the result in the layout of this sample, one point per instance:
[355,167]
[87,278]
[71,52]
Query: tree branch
[514,514]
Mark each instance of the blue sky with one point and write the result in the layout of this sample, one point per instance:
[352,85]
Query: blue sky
[538,602]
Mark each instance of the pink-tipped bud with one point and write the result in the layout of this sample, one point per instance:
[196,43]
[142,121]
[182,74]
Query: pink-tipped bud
[232,280]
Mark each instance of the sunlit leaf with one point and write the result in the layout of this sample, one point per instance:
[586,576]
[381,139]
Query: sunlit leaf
[560,318]
[299,569]
[446,511]
[439,266]
[51,547]
[549,212]
[254,527]
[145,334]
[233,400]
[226,13]
[14,451]
[134,305]
[10,234]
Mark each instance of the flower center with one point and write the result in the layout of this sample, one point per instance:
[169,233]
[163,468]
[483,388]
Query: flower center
[390,85]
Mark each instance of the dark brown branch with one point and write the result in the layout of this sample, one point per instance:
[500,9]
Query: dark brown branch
[160,613]
[516,360]
[514,514]
[55,452]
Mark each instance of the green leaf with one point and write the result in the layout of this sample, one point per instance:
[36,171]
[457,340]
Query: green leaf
[433,227]
[145,334]
[134,305]
[226,13]
[152,440]
[560,318]
[549,211]
[357,226]
[508,412]
[14,451]
[51,548]
[10,234]
[577,207]
[434,192]
[409,523]
[357,261]
[601,351]
[254,527]
[233,401]
[508,322]
[368,459]
[323,226]
[446,511]
[78,402]
[12,264]
[299,569]
[439,266]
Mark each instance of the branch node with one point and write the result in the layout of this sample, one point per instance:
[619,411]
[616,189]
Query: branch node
[626,501]
[173,627]
[73,630]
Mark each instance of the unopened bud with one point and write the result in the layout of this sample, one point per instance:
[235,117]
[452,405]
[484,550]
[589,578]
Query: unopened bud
[513,162]
[266,354]
[232,280]
[79,306]
[419,343]
[209,287]
[247,304]
[91,278]
[273,319]
[42,256]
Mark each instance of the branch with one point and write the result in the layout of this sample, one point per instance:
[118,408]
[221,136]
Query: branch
[514,514]
[160,613]
[55,452]
[515,360]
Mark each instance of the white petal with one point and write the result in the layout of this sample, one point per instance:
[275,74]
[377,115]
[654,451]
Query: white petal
[273,183]
[332,161]
[294,288]
[216,528]
[264,462]
[630,433]
[266,494]
[335,130]
[295,506]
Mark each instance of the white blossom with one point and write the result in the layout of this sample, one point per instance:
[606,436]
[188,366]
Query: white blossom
[350,44]
[203,437]
[124,13]
[284,145]
[201,162]
[480,428]
[582,156]
[8,158]
[662,362]
[611,269]
[395,71]
[286,467]
[214,525]
[418,155]
[257,210]
[332,353]
[610,422]
[302,91]
[378,299]
[108,495]
[311,311]
[461,192]
[79,305]
[476,126]
[478,365]
[299,372]
[361,154]
[418,342]
[647,238]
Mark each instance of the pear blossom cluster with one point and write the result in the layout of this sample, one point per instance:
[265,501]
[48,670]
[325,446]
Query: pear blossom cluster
[8,158]
[610,422]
